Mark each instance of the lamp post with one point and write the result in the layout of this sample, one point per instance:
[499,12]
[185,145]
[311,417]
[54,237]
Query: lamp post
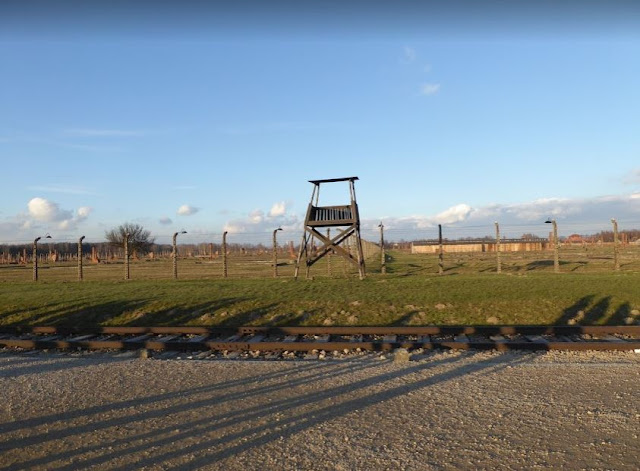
[499,267]
[35,256]
[556,260]
[80,274]
[126,256]
[275,252]
[616,249]
[224,254]
[174,254]
[383,264]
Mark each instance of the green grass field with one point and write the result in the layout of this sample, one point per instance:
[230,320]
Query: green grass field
[412,293]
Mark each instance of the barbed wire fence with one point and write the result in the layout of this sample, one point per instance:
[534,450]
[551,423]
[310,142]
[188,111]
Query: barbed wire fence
[510,248]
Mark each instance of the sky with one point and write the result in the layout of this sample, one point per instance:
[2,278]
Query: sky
[205,117]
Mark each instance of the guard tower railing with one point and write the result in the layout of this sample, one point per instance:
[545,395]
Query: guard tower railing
[331,216]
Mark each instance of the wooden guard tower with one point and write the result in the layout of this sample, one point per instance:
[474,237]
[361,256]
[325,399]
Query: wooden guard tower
[346,217]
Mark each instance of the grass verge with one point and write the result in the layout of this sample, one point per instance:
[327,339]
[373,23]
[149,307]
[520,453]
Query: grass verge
[395,299]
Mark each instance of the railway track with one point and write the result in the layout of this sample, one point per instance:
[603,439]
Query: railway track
[306,339]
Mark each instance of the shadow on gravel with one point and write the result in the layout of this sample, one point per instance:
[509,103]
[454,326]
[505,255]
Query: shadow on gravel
[339,404]
[97,418]
[229,417]
[39,365]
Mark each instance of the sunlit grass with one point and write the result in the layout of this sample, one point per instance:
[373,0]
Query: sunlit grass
[412,293]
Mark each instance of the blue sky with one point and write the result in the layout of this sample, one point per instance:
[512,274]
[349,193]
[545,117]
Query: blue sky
[211,130]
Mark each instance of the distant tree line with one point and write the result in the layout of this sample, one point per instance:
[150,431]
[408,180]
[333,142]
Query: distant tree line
[141,243]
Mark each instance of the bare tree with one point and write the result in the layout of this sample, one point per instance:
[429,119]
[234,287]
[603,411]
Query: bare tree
[140,239]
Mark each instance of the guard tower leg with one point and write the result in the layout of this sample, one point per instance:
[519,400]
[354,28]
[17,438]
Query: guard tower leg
[303,245]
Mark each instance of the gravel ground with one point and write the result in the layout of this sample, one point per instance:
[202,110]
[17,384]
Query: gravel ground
[458,410]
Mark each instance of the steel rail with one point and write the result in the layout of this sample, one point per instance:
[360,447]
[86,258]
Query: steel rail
[336,330]
[305,339]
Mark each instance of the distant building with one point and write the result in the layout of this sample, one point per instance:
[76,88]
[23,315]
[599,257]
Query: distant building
[575,239]
[507,245]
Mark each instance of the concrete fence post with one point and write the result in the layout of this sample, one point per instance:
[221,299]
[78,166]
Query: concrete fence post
[556,248]
[224,254]
[35,259]
[275,252]
[126,256]
[80,272]
[499,266]
[35,256]
[174,253]
[383,257]
[440,251]
[556,245]
[616,248]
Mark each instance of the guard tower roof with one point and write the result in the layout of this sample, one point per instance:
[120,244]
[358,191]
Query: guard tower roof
[331,180]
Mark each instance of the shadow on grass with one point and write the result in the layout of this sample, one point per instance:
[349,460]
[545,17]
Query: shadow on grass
[291,319]
[248,317]
[50,308]
[620,315]
[588,311]
[404,319]
[182,315]
[596,313]
[536,264]
[572,311]
[80,315]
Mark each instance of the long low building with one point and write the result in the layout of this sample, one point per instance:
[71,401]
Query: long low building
[507,245]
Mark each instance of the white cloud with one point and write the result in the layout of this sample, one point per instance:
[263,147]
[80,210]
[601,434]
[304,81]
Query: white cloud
[165,221]
[44,210]
[632,178]
[574,215]
[235,227]
[429,88]
[278,209]
[187,210]
[409,54]
[457,213]
[83,213]
[256,221]
[256,216]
